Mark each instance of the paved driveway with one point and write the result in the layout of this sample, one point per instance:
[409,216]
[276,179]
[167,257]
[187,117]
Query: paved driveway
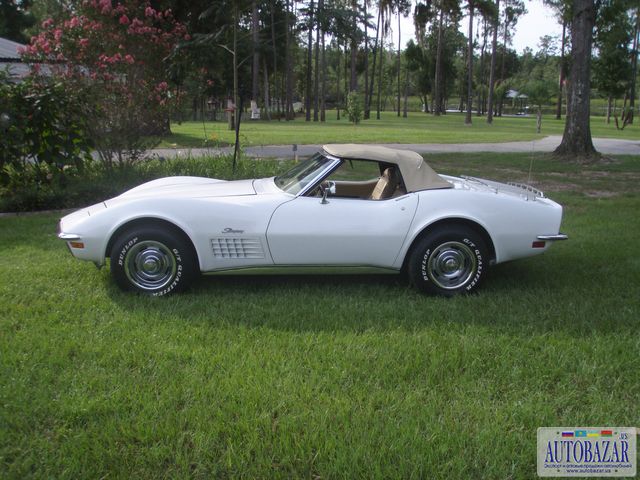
[608,146]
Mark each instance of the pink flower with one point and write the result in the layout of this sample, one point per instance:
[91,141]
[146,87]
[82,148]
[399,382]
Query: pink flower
[124,20]
[57,34]
[105,6]
[47,23]
[149,12]
[187,37]
[163,86]
[74,22]
[83,42]
[129,59]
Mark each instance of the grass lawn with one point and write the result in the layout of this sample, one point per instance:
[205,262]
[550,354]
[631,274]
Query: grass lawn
[324,377]
[417,128]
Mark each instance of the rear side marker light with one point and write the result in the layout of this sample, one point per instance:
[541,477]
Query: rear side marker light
[538,244]
[81,245]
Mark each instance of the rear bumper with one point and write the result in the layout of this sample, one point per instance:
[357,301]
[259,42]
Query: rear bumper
[553,238]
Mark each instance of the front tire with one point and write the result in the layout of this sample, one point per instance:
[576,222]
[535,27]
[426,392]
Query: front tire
[448,261]
[153,261]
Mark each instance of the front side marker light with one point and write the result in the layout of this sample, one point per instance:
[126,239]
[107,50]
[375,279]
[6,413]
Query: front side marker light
[76,244]
[538,244]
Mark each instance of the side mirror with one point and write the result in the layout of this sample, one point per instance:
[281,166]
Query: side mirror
[327,188]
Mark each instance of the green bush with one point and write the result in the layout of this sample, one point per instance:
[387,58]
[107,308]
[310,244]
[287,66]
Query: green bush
[354,107]
[42,133]
[70,188]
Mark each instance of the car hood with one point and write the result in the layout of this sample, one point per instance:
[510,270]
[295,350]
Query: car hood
[188,187]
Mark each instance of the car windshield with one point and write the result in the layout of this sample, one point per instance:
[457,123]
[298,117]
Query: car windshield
[299,176]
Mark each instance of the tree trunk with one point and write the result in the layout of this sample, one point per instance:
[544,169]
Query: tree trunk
[307,100]
[539,119]
[235,114]
[399,46]
[353,84]
[561,76]
[406,94]
[467,118]
[275,61]
[338,96]
[367,107]
[492,72]
[267,96]
[634,69]
[267,100]
[366,61]
[609,104]
[255,68]
[323,85]
[290,114]
[481,72]
[346,90]
[437,102]
[502,57]
[378,106]
[316,73]
[576,140]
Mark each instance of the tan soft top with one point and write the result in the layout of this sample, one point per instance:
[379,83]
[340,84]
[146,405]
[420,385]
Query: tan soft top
[417,175]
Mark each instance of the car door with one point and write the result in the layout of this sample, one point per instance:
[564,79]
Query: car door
[343,231]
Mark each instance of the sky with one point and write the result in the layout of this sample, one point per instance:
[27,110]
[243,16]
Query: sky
[538,21]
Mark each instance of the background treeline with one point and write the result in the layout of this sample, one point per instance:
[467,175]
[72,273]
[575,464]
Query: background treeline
[307,56]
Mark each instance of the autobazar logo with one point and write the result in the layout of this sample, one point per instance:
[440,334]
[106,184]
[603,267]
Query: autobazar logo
[587,452]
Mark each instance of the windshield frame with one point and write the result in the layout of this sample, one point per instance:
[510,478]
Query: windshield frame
[315,176]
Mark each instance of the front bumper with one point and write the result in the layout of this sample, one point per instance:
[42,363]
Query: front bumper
[69,237]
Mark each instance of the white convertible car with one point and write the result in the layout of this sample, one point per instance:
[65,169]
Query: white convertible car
[348,208]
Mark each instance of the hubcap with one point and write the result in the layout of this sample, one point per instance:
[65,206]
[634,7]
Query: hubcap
[150,265]
[451,265]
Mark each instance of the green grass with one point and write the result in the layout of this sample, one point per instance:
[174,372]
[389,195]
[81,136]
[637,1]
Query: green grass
[324,377]
[417,128]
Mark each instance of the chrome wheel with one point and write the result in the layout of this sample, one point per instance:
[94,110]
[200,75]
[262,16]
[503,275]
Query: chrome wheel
[451,265]
[150,265]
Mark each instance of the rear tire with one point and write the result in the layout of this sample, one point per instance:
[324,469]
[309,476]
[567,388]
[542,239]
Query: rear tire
[449,261]
[153,261]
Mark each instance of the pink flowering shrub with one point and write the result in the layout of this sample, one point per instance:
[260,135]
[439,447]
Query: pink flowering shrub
[117,51]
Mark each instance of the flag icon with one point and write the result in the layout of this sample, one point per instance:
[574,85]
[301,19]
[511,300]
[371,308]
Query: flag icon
[581,433]
[606,433]
[567,434]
